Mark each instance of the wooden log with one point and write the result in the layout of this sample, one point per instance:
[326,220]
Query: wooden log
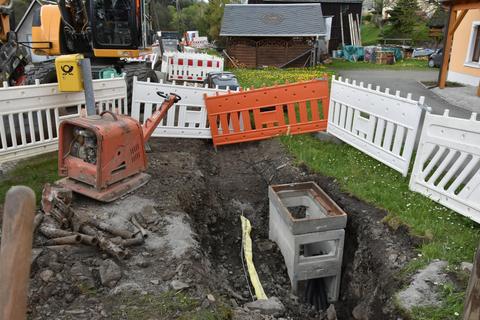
[471,309]
[16,252]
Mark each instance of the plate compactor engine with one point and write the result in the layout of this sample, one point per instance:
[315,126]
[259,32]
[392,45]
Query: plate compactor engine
[103,156]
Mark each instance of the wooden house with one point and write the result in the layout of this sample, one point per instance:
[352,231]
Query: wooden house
[272,34]
[461,61]
[332,8]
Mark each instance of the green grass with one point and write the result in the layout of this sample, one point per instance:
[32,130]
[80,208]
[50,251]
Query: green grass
[405,64]
[168,305]
[34,173]
[446,234]
[370,34]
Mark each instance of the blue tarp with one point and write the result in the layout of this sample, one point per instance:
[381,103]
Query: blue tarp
[353,53]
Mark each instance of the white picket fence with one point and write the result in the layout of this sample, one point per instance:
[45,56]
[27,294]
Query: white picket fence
[186,119]
[190,66]
[379,124]
[30,115]
[447,165]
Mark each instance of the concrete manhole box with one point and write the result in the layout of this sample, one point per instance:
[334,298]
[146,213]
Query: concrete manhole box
[306,208]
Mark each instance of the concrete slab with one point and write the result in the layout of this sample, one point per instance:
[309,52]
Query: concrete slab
[463,97]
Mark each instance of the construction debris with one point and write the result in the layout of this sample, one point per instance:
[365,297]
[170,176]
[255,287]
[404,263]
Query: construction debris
[61,225]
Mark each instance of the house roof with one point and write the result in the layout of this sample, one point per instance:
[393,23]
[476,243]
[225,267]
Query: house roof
[273,20]
[27,12]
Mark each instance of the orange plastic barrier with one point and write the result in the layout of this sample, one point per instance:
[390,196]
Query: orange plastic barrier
[267,112]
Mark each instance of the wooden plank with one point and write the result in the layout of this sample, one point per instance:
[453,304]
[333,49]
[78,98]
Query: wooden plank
[457,23]
[442,78]
[471,309]
[16,252]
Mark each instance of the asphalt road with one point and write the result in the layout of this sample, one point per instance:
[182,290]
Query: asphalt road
[407,82]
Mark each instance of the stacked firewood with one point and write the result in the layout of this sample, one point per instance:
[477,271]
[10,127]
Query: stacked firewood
[61,225]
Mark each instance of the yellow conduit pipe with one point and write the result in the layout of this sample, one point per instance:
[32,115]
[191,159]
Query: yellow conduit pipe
[248,254]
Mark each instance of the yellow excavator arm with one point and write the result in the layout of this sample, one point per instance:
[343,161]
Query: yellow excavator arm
[5,8]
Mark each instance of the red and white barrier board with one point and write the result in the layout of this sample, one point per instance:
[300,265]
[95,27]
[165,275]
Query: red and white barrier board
[190,66]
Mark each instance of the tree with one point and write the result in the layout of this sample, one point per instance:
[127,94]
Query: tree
[214,15]
[404,19]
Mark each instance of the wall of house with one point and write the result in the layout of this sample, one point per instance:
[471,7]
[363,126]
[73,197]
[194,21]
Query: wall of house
[460,70]
[256,52]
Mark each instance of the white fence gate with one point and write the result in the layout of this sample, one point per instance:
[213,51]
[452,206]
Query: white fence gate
[382,125]
[190,66]
[447,165]
[30,115]
[186,119]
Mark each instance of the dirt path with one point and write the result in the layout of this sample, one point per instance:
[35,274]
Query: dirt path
[199,192]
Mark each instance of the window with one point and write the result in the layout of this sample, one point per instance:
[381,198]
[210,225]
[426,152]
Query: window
[476,45]
[473,53]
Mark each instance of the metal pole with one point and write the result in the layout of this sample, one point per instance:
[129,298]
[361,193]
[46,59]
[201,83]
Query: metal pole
[88,86]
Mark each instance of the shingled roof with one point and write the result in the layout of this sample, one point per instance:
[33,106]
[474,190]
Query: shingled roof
[273,20]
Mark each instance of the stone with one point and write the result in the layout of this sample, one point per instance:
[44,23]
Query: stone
[46,275]
[327,137]
[178,285]
[331,313]
[360,312]
[423,291]
[80,273]
[271,306]
[155,282]
[110,273]
[265,245]
[210,297]
[466,267]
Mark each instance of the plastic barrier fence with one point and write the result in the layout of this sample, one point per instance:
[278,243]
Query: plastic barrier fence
[447,165]
[382,125]
[190,66]
[186,119]
[267,112]
[30,115]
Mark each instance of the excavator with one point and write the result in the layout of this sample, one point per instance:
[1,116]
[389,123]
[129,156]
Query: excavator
[13,57]
[105,31]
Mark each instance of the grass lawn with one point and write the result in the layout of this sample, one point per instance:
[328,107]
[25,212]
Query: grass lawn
[34,173]
[447,235]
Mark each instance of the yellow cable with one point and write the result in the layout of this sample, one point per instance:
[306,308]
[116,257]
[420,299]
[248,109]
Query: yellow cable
[247,252]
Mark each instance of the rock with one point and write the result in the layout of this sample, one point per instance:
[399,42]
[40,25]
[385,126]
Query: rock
[110,273]
[423,291]
[325,136]
[210,297]
[178,285]
[46,275]
[80,273]
[466,266]
[142,262]
[270,306]
[331,313]
[155,282]
[265,245]
[360,312]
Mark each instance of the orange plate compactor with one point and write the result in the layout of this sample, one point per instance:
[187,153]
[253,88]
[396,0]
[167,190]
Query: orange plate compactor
[103,156]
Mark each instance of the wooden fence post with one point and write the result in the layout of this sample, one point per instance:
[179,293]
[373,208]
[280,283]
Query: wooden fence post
[16,252]
[471,310]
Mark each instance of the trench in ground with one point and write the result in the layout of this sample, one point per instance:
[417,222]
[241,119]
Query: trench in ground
[235,181]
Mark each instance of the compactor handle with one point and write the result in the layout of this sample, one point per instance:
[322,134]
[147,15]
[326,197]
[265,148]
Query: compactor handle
[166,96]
[151,123]
[114,116]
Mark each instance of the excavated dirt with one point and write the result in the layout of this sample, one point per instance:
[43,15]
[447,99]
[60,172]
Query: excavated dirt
[192,207]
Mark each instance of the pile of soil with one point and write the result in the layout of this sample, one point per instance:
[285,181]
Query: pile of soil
[197,191]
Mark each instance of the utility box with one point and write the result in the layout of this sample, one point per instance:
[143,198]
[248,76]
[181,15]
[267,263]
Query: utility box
[69,72]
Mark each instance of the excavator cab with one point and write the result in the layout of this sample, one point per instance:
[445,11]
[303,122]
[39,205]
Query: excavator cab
[95,28]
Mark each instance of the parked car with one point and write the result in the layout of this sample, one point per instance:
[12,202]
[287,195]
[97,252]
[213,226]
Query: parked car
[222,80]
[435,60]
